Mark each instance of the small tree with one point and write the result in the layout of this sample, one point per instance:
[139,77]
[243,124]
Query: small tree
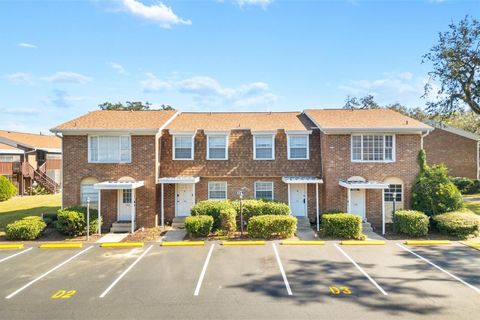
[7,189]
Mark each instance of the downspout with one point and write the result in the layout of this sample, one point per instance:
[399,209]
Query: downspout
[61,165]
[423,136]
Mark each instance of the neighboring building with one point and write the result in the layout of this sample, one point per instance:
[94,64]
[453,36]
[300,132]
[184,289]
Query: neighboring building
[27,158]
[456,148]
[152,166]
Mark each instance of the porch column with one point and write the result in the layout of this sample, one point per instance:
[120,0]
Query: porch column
[132,212]
[318,207]
[99,212]
[383,211]
[162,208]
[288,186]
[348,201]
[193,191]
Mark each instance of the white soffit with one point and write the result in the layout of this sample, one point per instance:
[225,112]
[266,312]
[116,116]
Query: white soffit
[301,180]
[115,185]
[363,184]
[179,180]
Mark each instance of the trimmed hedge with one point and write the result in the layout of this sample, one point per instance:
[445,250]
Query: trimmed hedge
[73,221]
[28,228]
[211,208]
[466,185]
[199,226]
[7,189]
[461,224]
[410,222]
[269,226]
[228,219]
[342,225]
[254,207]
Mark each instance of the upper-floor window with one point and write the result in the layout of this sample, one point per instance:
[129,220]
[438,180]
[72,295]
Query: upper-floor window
[217,190]
[264,190]
[183,147]
[109,149]
[298,147]
[217,147]
[373,148]
[8,158]
[264,147]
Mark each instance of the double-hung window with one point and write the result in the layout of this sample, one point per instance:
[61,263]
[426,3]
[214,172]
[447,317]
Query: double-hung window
[183,147]
[373,148]
[264,190]
[217,147]
[298,147]
[264,147]
[217,190]
[110,149]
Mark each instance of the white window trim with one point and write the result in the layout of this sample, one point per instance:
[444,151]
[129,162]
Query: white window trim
[394,156]
[226,145]
[119,145]
[192,148]
[288,146]
[226,190]
[255,188]
[255,146]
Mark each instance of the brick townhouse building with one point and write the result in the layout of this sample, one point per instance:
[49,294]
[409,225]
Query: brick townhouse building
[147,167]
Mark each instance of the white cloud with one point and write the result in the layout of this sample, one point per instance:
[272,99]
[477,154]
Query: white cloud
[67,77]
[118,67]
[207,90]
[62,99]
[19,111]
[402,83]
[261,3]
[158,13]
[26,45]
[19,78]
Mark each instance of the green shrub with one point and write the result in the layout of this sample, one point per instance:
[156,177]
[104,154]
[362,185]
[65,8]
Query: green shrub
[228,218]
[28,228]
[211,208]
[7,189]
[269,226]
[433,192]
[410,222]
[73,221]
[48,221]
[460,224]
[466,185]
[342,225]
[53,216]
[199,226]
[254,207]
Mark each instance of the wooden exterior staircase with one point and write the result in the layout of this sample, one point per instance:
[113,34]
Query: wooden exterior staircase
[40,177]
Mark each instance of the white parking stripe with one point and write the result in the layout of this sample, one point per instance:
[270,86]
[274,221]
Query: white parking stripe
[16,254]
[204,270]
[125,272]
[47,273]
[362,271]
[282,271]
[440,268]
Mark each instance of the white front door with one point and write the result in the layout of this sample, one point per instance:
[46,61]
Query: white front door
[185,199]
[125,205]
[298,200]
[357,202]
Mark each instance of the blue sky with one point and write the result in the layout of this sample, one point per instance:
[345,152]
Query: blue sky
[61,59]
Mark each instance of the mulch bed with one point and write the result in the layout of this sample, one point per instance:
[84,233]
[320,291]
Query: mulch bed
[146,234]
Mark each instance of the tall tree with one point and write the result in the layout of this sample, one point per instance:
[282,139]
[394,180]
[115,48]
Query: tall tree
[367,102]
[132,106]
[456,68]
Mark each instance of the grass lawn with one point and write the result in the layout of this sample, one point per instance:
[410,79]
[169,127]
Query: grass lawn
[19,207]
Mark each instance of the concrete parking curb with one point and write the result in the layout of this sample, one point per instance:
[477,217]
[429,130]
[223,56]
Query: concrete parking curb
[122,245]
[243,243]
[426,242]
[11,246]
[362,242]
[182,243]
[474,245]
[302,242]
[61,246]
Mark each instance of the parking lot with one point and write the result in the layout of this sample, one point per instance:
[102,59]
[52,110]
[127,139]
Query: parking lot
[213,281]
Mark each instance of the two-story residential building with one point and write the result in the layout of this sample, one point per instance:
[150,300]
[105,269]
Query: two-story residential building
[148,167]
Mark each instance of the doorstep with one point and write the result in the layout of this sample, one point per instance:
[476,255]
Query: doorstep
[112,237]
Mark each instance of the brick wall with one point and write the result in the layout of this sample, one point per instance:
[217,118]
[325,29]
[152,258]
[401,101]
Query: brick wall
[142,167]
[458,153]
[337,165]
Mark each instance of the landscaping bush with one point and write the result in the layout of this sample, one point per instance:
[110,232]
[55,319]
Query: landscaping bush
[228,218]
[269,226]
[211,208]
[254,207]
[73,221]
[28,228]
[433,192]
[7,189]
[199,226]
[342,225]
[47,220]
[411,223]
[466,185]
[460,224]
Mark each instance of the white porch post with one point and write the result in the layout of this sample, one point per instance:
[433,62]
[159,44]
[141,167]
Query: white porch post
[99,212]
[193,193]
[318,207]
[383,211]
[348,201]
[288,186]
[132,211]
[162,209]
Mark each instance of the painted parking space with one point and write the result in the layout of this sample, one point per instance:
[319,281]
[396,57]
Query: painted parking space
[8,254]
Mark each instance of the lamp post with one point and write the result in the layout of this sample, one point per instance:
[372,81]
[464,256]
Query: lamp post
[240,195]
[88,218]
[393,212]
